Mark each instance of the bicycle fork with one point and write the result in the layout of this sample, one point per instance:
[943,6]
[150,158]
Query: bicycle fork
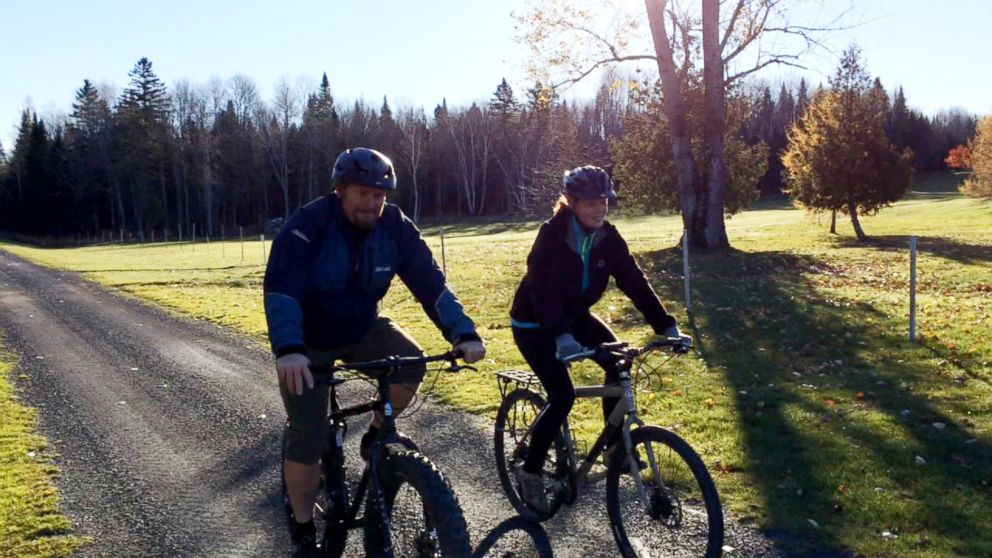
[631,419]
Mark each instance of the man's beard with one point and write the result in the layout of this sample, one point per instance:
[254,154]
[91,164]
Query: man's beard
[364,219]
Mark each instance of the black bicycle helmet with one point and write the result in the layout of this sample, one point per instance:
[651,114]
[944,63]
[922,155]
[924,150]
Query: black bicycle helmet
[364,167]
[589,182]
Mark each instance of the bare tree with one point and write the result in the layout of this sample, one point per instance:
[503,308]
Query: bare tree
[565,38]
[471,136]
[413,126]
[275,127]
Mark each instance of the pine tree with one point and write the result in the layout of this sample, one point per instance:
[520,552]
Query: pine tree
[802,98]
[143,114]
[839,157]
[321,130]
[506,113]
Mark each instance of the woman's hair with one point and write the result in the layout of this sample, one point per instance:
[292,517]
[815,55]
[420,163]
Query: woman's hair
[561,202]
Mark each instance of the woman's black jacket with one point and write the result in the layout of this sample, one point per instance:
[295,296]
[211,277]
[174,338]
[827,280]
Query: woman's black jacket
[551,294]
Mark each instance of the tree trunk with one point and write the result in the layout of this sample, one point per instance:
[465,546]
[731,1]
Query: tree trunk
[678,123]
[714,229]
[833,222]
[853,209]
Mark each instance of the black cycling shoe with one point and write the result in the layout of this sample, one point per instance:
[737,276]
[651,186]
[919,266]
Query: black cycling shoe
[306,547]
[365,446]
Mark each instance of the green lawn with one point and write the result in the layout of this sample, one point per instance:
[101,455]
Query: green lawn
[30,523]
[820,420]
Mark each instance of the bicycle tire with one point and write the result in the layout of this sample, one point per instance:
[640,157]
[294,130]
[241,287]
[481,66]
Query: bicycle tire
[440,531]
[537,546]
[673,522]
[510,429]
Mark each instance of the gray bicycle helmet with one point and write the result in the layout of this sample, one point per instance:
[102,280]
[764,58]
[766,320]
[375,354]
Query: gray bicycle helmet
[364,167]
[588,182]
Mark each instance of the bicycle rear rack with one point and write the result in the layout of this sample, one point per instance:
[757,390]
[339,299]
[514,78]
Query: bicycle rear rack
[519,379]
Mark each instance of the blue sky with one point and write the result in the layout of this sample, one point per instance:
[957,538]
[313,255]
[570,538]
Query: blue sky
[416,52]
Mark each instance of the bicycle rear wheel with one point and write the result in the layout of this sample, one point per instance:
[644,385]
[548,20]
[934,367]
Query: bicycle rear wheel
[514,419]
[684,517]
[424,516]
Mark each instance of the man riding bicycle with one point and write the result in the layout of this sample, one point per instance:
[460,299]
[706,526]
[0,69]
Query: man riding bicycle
[329,268]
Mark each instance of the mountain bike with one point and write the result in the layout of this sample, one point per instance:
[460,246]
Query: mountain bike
[659,495]
[410,508]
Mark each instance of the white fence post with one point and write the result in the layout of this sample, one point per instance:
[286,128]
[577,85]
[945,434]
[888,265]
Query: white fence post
[444,262]
[685,270]
[912,288]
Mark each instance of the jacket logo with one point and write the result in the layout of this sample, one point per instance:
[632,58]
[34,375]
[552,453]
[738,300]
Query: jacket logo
[601,263]
[383,268]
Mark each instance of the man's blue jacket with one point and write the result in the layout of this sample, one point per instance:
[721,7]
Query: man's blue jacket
[325,278]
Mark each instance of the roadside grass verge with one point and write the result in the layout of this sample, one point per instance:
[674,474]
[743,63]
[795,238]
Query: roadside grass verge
[821,422]
[30,523]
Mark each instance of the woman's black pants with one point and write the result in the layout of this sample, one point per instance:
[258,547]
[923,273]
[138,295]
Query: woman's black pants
[538,349]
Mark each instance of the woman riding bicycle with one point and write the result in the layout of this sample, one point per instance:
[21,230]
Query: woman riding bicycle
[568,269]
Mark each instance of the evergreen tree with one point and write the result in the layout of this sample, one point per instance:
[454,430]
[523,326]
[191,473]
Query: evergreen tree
[88,137]
[388,136]
[5,204]
[143,114]
[34,215]
[802,98]
[506,113]
[645,162]
[839,157]
[321,128]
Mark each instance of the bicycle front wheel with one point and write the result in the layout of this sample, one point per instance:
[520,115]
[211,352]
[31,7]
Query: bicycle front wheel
[682,516]
[516,537]
[424,516]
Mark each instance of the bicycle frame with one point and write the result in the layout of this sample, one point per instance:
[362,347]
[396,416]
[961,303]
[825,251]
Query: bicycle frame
[622,418]
[346,506]
[335,478]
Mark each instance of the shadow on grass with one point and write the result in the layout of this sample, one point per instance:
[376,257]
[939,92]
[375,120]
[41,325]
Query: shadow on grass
[934,245]
[822,408]
[481,226]
[169,269]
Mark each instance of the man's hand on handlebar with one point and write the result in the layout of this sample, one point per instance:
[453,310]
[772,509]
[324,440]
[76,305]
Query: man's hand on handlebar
[294,370]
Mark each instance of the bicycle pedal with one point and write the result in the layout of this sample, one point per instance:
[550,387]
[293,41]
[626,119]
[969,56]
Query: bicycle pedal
[596,473]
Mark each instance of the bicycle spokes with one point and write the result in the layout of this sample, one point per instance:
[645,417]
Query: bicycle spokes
[668,508]
[412,533]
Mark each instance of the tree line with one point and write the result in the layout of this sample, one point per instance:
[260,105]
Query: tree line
[218,156]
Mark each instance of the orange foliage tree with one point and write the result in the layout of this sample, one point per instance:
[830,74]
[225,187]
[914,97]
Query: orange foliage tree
[959,157]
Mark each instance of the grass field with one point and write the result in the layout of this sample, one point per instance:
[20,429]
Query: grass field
[30,523]
[820,420]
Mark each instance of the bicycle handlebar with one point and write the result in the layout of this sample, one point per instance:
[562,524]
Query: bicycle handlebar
[393,363]
[679,345]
